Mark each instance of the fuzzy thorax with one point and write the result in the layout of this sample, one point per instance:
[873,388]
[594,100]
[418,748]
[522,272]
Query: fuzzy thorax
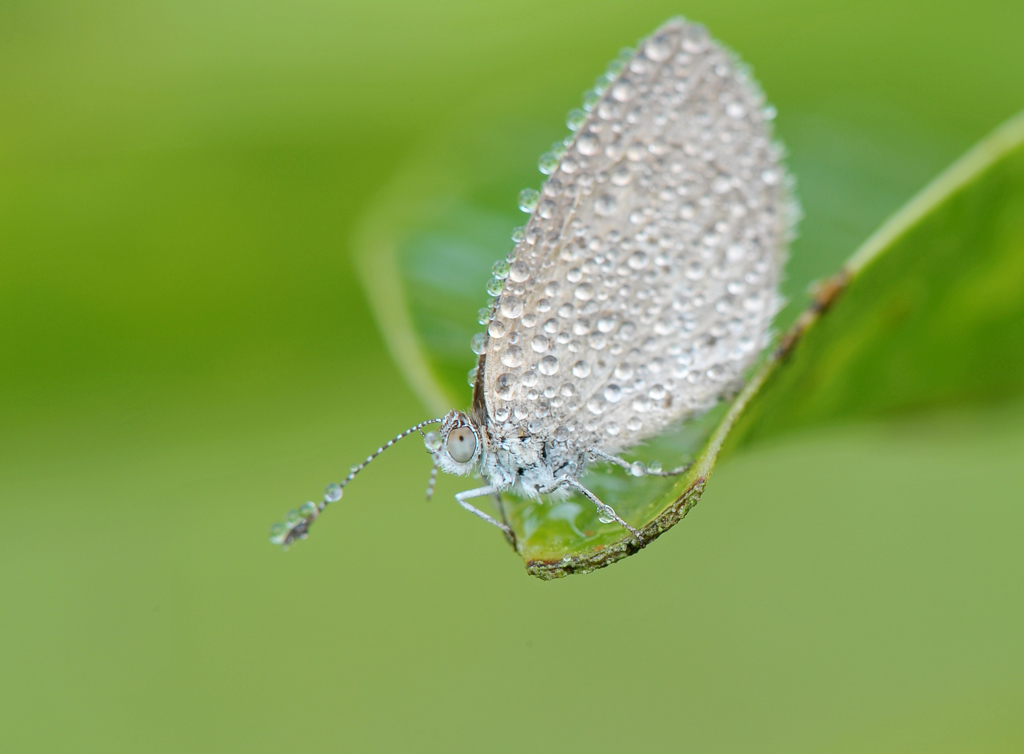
[510,458]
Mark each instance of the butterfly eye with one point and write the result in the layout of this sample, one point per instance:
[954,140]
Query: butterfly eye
[461,444]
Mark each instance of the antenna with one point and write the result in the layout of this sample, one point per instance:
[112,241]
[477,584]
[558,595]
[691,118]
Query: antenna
[433,477]
[297,522]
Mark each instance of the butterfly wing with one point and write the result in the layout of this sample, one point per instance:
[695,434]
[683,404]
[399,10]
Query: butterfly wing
[646,280]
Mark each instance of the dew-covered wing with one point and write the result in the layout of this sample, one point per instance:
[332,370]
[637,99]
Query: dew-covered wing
[645,281]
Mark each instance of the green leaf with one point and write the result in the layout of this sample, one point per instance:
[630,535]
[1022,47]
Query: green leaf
[929,311]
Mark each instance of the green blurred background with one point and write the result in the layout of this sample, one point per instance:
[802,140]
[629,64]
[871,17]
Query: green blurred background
[185,353]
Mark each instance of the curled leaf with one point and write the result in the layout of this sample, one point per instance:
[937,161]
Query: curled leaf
[929,311]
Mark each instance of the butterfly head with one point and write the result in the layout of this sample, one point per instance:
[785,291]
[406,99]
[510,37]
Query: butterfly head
[458,445]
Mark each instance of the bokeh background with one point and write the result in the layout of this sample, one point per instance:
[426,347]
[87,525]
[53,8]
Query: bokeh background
[186,352]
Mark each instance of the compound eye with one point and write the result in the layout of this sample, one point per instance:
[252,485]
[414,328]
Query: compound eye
[461,444]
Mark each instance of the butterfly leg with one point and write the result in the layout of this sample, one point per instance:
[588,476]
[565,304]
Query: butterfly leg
[500,505]
[462,497]
[644,471]
[603,508]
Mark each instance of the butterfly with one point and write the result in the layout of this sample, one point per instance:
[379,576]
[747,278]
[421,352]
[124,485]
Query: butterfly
[639,293]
